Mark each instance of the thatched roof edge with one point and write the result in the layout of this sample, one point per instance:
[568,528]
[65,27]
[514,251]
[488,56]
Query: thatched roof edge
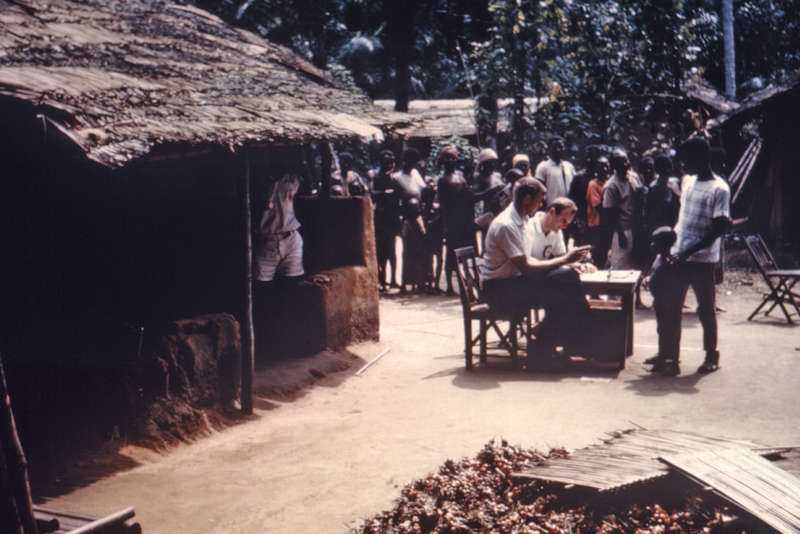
[123,77]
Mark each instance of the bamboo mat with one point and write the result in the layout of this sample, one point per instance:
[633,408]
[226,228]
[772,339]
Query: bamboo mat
[629,457]
[748,481]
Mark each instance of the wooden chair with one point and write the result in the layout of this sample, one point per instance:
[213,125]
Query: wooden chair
[469,285]
[780,282]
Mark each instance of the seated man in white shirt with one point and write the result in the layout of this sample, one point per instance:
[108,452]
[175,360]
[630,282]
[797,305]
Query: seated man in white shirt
[547,232]
[514,281]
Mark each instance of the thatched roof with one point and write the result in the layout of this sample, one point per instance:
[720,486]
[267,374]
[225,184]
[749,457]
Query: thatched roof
[752,105]
[122,78]
[709,96]
[445,118]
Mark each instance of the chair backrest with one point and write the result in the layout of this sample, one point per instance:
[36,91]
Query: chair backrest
[468,276]
[761,254]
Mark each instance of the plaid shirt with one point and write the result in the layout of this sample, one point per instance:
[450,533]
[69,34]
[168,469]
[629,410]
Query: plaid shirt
[701,203]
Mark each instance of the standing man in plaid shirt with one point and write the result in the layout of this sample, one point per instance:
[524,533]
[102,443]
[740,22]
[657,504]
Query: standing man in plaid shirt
[704,217]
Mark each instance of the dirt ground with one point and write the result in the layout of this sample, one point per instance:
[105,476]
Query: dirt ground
[327,448]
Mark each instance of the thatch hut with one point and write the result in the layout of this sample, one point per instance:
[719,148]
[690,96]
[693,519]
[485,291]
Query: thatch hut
[131,133]
[764,133]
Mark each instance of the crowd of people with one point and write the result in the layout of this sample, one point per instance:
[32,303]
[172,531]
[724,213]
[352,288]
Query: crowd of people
[454,211]
[536,229]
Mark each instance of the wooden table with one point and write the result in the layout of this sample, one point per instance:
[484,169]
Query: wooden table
[611,297]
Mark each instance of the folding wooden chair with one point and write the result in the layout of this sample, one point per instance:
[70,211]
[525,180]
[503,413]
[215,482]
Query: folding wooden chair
[779,281]
[469,285]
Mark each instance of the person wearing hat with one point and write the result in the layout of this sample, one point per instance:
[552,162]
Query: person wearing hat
[485,175]
[523,163]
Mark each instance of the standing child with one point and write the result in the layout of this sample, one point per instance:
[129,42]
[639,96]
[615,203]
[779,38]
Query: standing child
[415,271]
[666,301]
[434,236]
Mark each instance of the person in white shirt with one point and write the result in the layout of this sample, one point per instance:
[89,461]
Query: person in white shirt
[555,172]
[547,232]
[515,282]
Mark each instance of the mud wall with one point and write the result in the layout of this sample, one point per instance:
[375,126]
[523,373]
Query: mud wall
[336,304]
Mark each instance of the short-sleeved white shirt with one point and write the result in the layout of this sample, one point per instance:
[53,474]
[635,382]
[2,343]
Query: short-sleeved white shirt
[556,177]
[507,238]
[544,246]
[702,201]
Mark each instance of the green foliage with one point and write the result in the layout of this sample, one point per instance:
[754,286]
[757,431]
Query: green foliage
[345,77]
[597,68]
[767,35]
[591,70]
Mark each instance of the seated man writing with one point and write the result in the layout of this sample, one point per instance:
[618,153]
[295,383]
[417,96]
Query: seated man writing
[514,281]
[547,227]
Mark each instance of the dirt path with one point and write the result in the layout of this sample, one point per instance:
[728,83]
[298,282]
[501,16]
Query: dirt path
[343,450]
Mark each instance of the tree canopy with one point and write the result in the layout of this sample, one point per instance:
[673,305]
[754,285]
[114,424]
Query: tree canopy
[618,61]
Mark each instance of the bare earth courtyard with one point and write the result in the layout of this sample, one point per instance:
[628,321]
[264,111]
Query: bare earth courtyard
[341,450]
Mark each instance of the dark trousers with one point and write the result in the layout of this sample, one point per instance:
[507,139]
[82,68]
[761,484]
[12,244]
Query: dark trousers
[559,292]
[669,309]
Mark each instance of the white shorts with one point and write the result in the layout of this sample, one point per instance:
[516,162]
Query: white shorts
[621,257]
[273,256]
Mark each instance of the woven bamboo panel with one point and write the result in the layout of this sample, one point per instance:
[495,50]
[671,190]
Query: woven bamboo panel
[748,481]
[629,457]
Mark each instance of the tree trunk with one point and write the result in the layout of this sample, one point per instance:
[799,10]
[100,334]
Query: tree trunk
[399,18]
[730,53]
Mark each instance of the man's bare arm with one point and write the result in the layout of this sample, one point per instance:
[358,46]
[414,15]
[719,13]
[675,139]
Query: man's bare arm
[530,265]
[719,225]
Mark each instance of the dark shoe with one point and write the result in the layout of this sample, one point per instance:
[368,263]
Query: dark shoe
[653,360]
[707,367]
[658,367]
[710,364]
[671,368]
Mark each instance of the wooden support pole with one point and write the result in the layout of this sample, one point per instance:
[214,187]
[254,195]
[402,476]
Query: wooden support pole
[248,353]
[326,155]
[17,466]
